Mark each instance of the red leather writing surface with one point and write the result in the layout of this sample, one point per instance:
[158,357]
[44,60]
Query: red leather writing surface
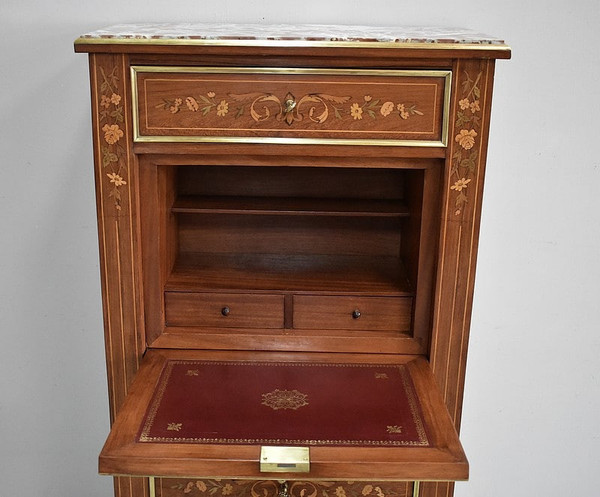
[284,403]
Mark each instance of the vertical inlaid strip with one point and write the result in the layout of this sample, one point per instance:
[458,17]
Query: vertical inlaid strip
[463,187]
[116,193]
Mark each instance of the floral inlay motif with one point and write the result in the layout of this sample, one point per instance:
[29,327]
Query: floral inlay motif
[340,491]
[174,426]
[466,155]
[211,487]
[111,119]
[192,372]
[394,429]
[271,488]
[316,107]
[381,376]
[284,399]
[116,179]
[222,108]
[356,111]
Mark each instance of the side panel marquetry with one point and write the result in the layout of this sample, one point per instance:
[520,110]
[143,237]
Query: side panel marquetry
[275,105]
[461,211]
[116,188]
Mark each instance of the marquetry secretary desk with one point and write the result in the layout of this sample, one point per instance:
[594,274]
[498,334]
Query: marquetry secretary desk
[288,222]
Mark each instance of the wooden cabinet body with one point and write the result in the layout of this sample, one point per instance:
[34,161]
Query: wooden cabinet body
[293,200]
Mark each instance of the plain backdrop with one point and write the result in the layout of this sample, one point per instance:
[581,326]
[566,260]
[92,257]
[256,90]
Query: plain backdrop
[532,398]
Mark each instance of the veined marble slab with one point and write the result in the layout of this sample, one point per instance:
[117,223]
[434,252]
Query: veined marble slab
[291,33]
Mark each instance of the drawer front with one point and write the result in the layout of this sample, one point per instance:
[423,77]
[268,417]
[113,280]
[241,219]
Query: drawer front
[223,310]
[352,313]
[291,105]
[179,487]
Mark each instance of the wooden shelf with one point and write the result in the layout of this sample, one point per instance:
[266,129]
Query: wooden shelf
[290,206]
[332,274]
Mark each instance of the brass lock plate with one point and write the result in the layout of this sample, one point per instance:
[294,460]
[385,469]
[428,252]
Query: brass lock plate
[284,459]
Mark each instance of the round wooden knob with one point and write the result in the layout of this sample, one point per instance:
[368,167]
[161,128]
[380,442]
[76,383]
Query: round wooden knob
[355,314]
[225,311]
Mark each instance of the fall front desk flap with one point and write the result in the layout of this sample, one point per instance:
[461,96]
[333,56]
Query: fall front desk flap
[208,414]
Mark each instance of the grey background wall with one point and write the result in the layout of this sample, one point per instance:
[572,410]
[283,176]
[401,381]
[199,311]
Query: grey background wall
[532,405]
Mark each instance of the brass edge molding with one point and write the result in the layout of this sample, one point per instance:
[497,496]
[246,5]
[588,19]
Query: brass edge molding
[446,74]
[416,489]
[286,141]
[446,108]
[292,70]
[294,44]
[134,103]
[152,487]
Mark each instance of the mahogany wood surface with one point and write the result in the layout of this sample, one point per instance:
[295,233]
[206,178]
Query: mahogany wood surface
[331,155]
[224,310]
[290,222]
[355,313]
[289,206]
[298,273]
[206,59]
[296,235]
[350,54]
[288,339]
[284,179]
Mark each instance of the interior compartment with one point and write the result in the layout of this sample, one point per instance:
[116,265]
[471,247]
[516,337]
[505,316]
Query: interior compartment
[291,229]
[230,233]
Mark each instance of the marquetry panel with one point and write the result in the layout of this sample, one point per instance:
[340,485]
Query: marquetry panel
[116,188]
[463,187]
[180,487]
[203,104]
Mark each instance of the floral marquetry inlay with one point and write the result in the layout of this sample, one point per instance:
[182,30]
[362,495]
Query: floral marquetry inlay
[316,107]
[468,126]
[270,488]
[111,119]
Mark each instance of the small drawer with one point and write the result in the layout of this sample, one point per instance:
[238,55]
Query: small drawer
[352,313]
[276,105]
[223,310]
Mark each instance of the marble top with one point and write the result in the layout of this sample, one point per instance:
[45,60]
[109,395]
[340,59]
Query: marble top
[305,33]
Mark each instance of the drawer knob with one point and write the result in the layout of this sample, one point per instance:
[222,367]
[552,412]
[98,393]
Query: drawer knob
[225,311]
[355,314]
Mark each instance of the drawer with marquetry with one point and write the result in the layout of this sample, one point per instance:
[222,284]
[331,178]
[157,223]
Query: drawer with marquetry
[198,487]
[291,105]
